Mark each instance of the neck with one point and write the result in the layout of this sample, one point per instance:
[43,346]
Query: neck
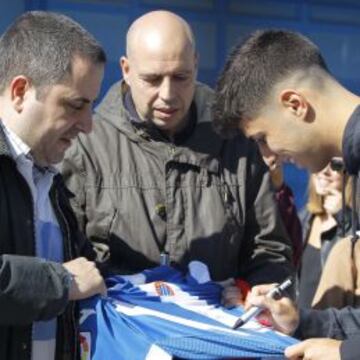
[335,113]
[171,133]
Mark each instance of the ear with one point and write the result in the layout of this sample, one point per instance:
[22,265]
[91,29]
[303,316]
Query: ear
[125,67]
[295,102]
[18,89]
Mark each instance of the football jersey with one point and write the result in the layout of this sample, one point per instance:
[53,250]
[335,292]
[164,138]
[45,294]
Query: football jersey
[161,313]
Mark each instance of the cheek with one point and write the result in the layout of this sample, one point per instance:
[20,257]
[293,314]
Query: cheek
[320,186]
[295,144]
[316,182]
[336,183]
[188,92]
[141,99]
[146,95]
[276,144]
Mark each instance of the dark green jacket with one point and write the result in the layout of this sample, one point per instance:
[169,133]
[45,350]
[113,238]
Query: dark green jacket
[207,199]
[32,289]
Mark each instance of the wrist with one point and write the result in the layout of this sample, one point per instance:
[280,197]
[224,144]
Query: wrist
[68,282]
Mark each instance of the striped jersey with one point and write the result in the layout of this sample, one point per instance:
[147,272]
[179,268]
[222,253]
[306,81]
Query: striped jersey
[161,313]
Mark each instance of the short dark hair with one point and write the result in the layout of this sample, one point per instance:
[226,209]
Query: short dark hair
[42,45]
[253,67]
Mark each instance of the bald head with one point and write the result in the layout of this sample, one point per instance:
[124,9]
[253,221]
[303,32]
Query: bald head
[160,69]
[156,30]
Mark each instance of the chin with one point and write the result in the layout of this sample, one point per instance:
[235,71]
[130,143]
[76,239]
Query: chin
[165,125]
[56,159]
[321,192]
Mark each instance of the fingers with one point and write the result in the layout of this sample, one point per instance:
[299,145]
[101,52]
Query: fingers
[257,296]
[227,282]
[259,290]
[332,204]
[333,191]
[296,351]
[87,280]
[232,296]
[282,313]
[315,349]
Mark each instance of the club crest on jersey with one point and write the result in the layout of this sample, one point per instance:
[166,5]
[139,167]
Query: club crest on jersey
[163,289]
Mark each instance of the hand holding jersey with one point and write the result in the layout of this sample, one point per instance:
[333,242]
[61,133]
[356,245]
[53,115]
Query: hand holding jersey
[86,280]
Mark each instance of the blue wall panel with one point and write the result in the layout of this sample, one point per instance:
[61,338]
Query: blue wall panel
[9,11]
[334,25]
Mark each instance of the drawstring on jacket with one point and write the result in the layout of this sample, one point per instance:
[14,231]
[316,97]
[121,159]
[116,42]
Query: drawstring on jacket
[354,217]
[354,227]
[338,165]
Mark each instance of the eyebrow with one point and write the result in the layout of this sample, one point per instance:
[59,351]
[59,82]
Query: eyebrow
[160,74]
[78,100]
[81,99]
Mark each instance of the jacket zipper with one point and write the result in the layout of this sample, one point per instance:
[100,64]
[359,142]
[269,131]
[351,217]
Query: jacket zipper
[28,191]
[70,254]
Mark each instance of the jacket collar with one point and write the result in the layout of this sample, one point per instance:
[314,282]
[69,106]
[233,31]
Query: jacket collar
[201,148]
[152,130]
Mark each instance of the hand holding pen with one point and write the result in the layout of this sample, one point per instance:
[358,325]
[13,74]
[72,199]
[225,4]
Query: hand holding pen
[282,312]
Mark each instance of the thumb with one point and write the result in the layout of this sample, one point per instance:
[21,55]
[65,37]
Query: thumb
[295,351]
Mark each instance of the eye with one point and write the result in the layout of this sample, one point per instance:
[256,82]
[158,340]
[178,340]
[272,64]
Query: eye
[75,106]
[153,80]
[181,77]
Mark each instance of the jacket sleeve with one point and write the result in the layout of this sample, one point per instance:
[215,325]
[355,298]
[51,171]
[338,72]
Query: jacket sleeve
[350,349]
[74,173]
[31,289]
[333,323]
[268,250]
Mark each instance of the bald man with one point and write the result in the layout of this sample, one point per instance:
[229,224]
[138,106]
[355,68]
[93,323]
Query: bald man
[154,184]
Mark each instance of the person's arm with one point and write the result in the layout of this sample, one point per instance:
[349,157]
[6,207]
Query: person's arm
[32,289]
[337,331]
[315,349]
[325,349]
[350,349]
[268,251]
[333,323]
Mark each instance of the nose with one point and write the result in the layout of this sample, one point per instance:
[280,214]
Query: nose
[269,157]
[166,90]
[327,171]
[265,151]
[85,122]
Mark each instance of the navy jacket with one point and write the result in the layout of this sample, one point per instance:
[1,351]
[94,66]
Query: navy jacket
[32,289]
[342,324]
